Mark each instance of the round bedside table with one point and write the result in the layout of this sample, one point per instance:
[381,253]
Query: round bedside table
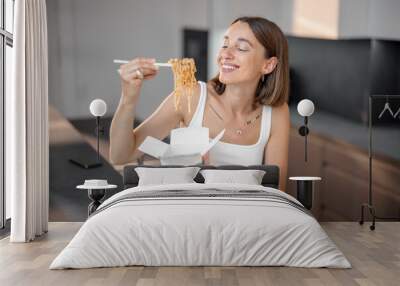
[96,194]
[305,186]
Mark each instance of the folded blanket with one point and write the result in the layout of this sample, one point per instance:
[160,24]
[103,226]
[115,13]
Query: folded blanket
[206,194]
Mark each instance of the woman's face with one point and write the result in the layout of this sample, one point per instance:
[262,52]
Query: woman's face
[241,57]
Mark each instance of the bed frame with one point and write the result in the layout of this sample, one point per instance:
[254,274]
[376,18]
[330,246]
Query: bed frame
[270,179]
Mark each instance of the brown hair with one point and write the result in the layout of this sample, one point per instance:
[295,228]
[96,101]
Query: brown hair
[274,90]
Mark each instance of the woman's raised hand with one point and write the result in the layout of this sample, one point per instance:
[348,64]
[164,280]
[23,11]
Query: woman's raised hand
[132,75]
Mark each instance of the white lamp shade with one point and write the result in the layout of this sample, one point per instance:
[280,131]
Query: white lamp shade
[305,107]
[98,107]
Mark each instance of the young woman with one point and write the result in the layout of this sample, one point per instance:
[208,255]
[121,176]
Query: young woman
[248,98]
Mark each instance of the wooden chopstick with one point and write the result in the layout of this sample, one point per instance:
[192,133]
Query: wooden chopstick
[116,61]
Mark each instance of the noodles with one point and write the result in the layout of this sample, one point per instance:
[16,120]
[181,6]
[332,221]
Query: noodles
[184,79]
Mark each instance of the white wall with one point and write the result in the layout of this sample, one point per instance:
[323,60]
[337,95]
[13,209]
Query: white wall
[367,19]
[341,19]
[384,19]
[353,19]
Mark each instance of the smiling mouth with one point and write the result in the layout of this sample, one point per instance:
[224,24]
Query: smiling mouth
[229,67]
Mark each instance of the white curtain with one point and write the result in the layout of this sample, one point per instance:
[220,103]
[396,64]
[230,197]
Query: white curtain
[27,154]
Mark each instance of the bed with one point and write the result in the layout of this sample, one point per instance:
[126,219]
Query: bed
[201,224]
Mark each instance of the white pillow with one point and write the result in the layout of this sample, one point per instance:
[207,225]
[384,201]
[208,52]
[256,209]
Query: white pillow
[248,177]
[162,176]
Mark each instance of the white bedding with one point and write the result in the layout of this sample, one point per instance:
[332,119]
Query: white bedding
[181,231]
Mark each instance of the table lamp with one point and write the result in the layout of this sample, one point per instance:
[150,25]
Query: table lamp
[305,108]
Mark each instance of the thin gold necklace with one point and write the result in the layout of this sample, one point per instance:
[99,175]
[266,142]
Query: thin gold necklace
[238,131]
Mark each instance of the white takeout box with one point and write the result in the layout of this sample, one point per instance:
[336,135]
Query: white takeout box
[187,147]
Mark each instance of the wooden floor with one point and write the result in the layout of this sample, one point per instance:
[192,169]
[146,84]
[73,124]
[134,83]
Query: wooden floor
[375,256]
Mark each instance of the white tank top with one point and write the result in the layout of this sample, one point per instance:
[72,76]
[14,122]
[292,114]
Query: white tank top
[234,154]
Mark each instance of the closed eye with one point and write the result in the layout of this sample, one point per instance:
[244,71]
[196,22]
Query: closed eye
[238,48]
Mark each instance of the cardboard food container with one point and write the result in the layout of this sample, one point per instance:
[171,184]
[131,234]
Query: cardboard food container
[187,146]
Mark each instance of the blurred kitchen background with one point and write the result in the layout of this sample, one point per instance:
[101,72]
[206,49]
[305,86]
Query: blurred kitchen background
[340,52]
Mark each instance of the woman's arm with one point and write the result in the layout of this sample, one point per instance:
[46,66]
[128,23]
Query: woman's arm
[124,141]
[277,149]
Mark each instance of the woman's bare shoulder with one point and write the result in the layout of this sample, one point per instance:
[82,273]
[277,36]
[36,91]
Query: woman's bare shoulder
[212,96]
[280,116]
[281,110]
[194,101]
